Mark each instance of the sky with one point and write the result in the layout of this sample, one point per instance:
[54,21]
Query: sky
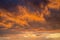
[17,16]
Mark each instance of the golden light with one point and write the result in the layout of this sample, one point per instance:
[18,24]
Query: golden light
[30,34]
[54,35]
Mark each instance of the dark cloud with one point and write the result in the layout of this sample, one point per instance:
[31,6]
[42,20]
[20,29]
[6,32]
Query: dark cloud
[37,3]
[1,19]
[54,19]
[11,5]
[54,15]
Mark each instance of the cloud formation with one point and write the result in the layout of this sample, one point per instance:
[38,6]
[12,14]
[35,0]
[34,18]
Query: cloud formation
[29,15]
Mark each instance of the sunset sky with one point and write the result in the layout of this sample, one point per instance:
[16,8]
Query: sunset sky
[20,16]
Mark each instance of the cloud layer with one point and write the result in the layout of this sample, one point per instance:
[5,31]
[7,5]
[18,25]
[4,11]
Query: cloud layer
[29,15]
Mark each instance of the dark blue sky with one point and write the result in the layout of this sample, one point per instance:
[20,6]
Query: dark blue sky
[11,5]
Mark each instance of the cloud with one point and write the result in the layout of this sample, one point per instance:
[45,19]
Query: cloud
[28,15]
[11,5]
